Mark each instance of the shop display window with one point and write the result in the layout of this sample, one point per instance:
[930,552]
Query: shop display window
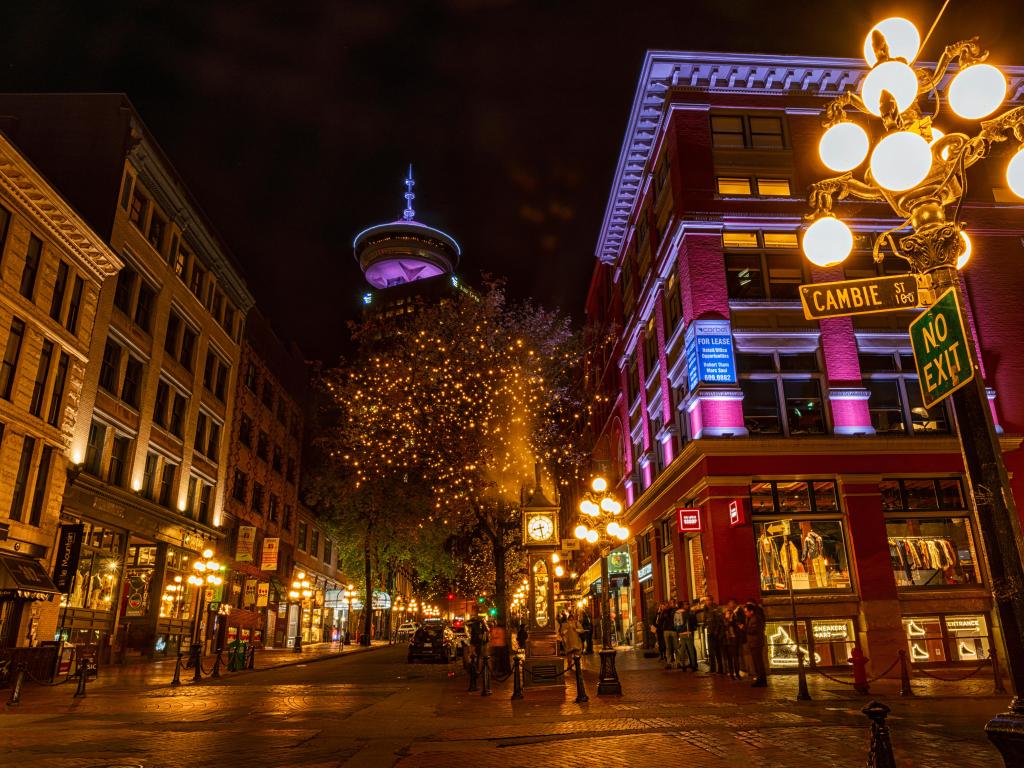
[922,494]
[932,552]
[947,639]
[829,642]
[782,498]
[811,553]
[99,568]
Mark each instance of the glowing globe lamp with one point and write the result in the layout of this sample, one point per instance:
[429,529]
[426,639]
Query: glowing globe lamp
[599,484]
[901,160]
[1015,173]
[893,76]
[961,260]
[977,91]
[612,528]
[827,242]
[843,146]
[622,533]
[900,35]
[608,504]
[591,536]
[581,531]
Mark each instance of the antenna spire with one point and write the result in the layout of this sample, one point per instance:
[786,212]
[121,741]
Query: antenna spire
[409,213]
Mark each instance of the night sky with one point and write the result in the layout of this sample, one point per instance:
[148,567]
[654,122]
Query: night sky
[294,122]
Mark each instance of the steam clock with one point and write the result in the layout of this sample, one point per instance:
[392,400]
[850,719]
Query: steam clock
[541,538]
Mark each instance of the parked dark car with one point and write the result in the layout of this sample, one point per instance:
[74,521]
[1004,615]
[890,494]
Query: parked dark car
[434,641]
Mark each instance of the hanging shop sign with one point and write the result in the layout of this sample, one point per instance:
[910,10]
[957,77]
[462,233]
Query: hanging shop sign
[262,594]
[69,552]
[268,557]
[940,349]
[249,596]
[737,513]
[381,601]
[689,520]
[646,572]
[246,544]
[709,353]
[618,561]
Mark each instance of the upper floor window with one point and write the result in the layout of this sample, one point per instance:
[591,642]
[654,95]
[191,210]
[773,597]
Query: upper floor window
[31,269]
[895,402]
[71,321]
[673,307]
[268,394]
[198,280]
[747,131]
[5,223]
[12,352]
[157,228]
[245,430]
[744,186]
[137,210]
[251,378]
[781,393]
[124,288]
[763,266]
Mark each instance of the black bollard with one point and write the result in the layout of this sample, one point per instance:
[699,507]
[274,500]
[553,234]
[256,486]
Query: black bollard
[472,673]
[485,687]
[197,661]
[581,691]
[802,693]
[517,677]
[880,753]
[216,665]
[82,673]
[297,646]
[177,671]
[252,656]
[905,689]
[233,660]
[19,680]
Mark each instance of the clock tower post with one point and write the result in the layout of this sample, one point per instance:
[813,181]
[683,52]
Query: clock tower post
[541,538]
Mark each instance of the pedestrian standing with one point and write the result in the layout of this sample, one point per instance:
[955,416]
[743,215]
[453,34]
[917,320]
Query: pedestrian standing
[658,633]
[714,626]
[588,634]
[731,647]
[570,633]
[756,643]
[668,631]
[739,625]
[686,630]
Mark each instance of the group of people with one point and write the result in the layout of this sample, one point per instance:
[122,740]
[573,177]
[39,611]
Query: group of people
[734,637]
[576,632]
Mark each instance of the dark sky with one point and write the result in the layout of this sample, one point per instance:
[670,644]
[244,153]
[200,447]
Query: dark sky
[294,122]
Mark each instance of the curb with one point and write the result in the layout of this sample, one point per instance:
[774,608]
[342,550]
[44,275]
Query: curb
[297,662]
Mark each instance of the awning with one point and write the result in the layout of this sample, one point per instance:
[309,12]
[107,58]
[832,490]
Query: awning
[21,577]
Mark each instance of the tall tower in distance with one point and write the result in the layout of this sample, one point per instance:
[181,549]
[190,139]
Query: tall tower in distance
[404,259]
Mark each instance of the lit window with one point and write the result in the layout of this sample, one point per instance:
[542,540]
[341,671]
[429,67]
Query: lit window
[733,186]
[780,240]
[740,239]
[773,187]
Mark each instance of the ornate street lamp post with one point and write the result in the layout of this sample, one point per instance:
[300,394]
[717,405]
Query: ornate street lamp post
[920,172]
[347,594]
[599,525]
[207,574]
[301,591]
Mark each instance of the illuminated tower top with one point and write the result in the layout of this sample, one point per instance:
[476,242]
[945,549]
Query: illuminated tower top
[405,250]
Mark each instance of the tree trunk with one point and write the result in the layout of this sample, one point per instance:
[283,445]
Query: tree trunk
[500,549]
[368,599]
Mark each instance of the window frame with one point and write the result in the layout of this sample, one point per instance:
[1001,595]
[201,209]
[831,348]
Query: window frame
[780,377]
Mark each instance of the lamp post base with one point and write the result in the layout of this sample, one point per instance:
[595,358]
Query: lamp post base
[297,645]
[1006,732]
[608,682]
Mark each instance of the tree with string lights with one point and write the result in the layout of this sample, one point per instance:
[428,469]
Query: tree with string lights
[463,396]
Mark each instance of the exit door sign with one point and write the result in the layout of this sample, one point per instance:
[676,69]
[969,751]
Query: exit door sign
[941,351]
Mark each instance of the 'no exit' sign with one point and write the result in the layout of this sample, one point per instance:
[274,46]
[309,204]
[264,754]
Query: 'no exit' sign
[689,520]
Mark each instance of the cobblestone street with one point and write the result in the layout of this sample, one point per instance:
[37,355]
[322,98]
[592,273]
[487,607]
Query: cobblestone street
[372,709]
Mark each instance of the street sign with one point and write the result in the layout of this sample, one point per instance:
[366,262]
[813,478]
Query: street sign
[859,297]
[941,352]
[689,520]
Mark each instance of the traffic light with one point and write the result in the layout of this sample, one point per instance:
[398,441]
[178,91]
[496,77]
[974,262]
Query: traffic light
[450,597]
[493,612]
[480,599]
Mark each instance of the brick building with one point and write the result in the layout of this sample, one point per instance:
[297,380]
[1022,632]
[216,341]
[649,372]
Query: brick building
[52,266]
[151,438]
[800,446]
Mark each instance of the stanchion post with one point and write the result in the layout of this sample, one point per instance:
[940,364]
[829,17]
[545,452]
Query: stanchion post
[880,753]
[82,667]
[19,681]
[997,674]
[472,672]
[177,670]
[216,664]
[905,689]
[517,679]
[802,693]
[197,662]
[252,656]
[581,691]
[485,687]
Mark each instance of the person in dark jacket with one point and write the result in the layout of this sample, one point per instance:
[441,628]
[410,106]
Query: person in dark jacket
[714,626]
[756,643]
[588,634]
[658,634]
[666,626]
[686,631]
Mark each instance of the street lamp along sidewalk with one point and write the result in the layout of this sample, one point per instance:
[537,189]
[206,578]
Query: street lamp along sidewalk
[920,172]
[600,525]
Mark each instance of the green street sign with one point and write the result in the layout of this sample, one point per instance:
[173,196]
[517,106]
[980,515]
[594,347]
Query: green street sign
[941,351]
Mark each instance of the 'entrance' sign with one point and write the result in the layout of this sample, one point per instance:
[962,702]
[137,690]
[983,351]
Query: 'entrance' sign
[940,349]
[859,297]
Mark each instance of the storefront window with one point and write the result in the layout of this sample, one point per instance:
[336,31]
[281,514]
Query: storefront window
[830,645]
[810,552]
[932,552]
[99,568]
[947,639]
[138,575]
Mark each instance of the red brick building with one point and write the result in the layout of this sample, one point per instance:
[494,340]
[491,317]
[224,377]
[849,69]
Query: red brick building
[803,446]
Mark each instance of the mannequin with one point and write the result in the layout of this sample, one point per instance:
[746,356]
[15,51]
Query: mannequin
[813,554]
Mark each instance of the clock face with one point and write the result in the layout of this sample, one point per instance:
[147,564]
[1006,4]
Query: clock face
[540,528]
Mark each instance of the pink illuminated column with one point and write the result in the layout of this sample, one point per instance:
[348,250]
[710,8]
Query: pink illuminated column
[645,423]
[627,442]
[847,395]
[668,429]
[714,410]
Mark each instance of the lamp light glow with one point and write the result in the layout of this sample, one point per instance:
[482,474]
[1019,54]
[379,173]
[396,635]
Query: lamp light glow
[612,528]
[591,536]
[900,161]
[608,504]
[1015,173]
[843,146]
[900,35]
[893,76]
[827,242]
[581,531]
[977,91]
[962,259]
[599,484]
[559,570]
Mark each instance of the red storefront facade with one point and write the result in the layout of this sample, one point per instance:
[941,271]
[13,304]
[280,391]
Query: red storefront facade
[803,444]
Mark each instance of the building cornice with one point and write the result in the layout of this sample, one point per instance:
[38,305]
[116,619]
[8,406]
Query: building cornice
[50,211]
[718,73]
